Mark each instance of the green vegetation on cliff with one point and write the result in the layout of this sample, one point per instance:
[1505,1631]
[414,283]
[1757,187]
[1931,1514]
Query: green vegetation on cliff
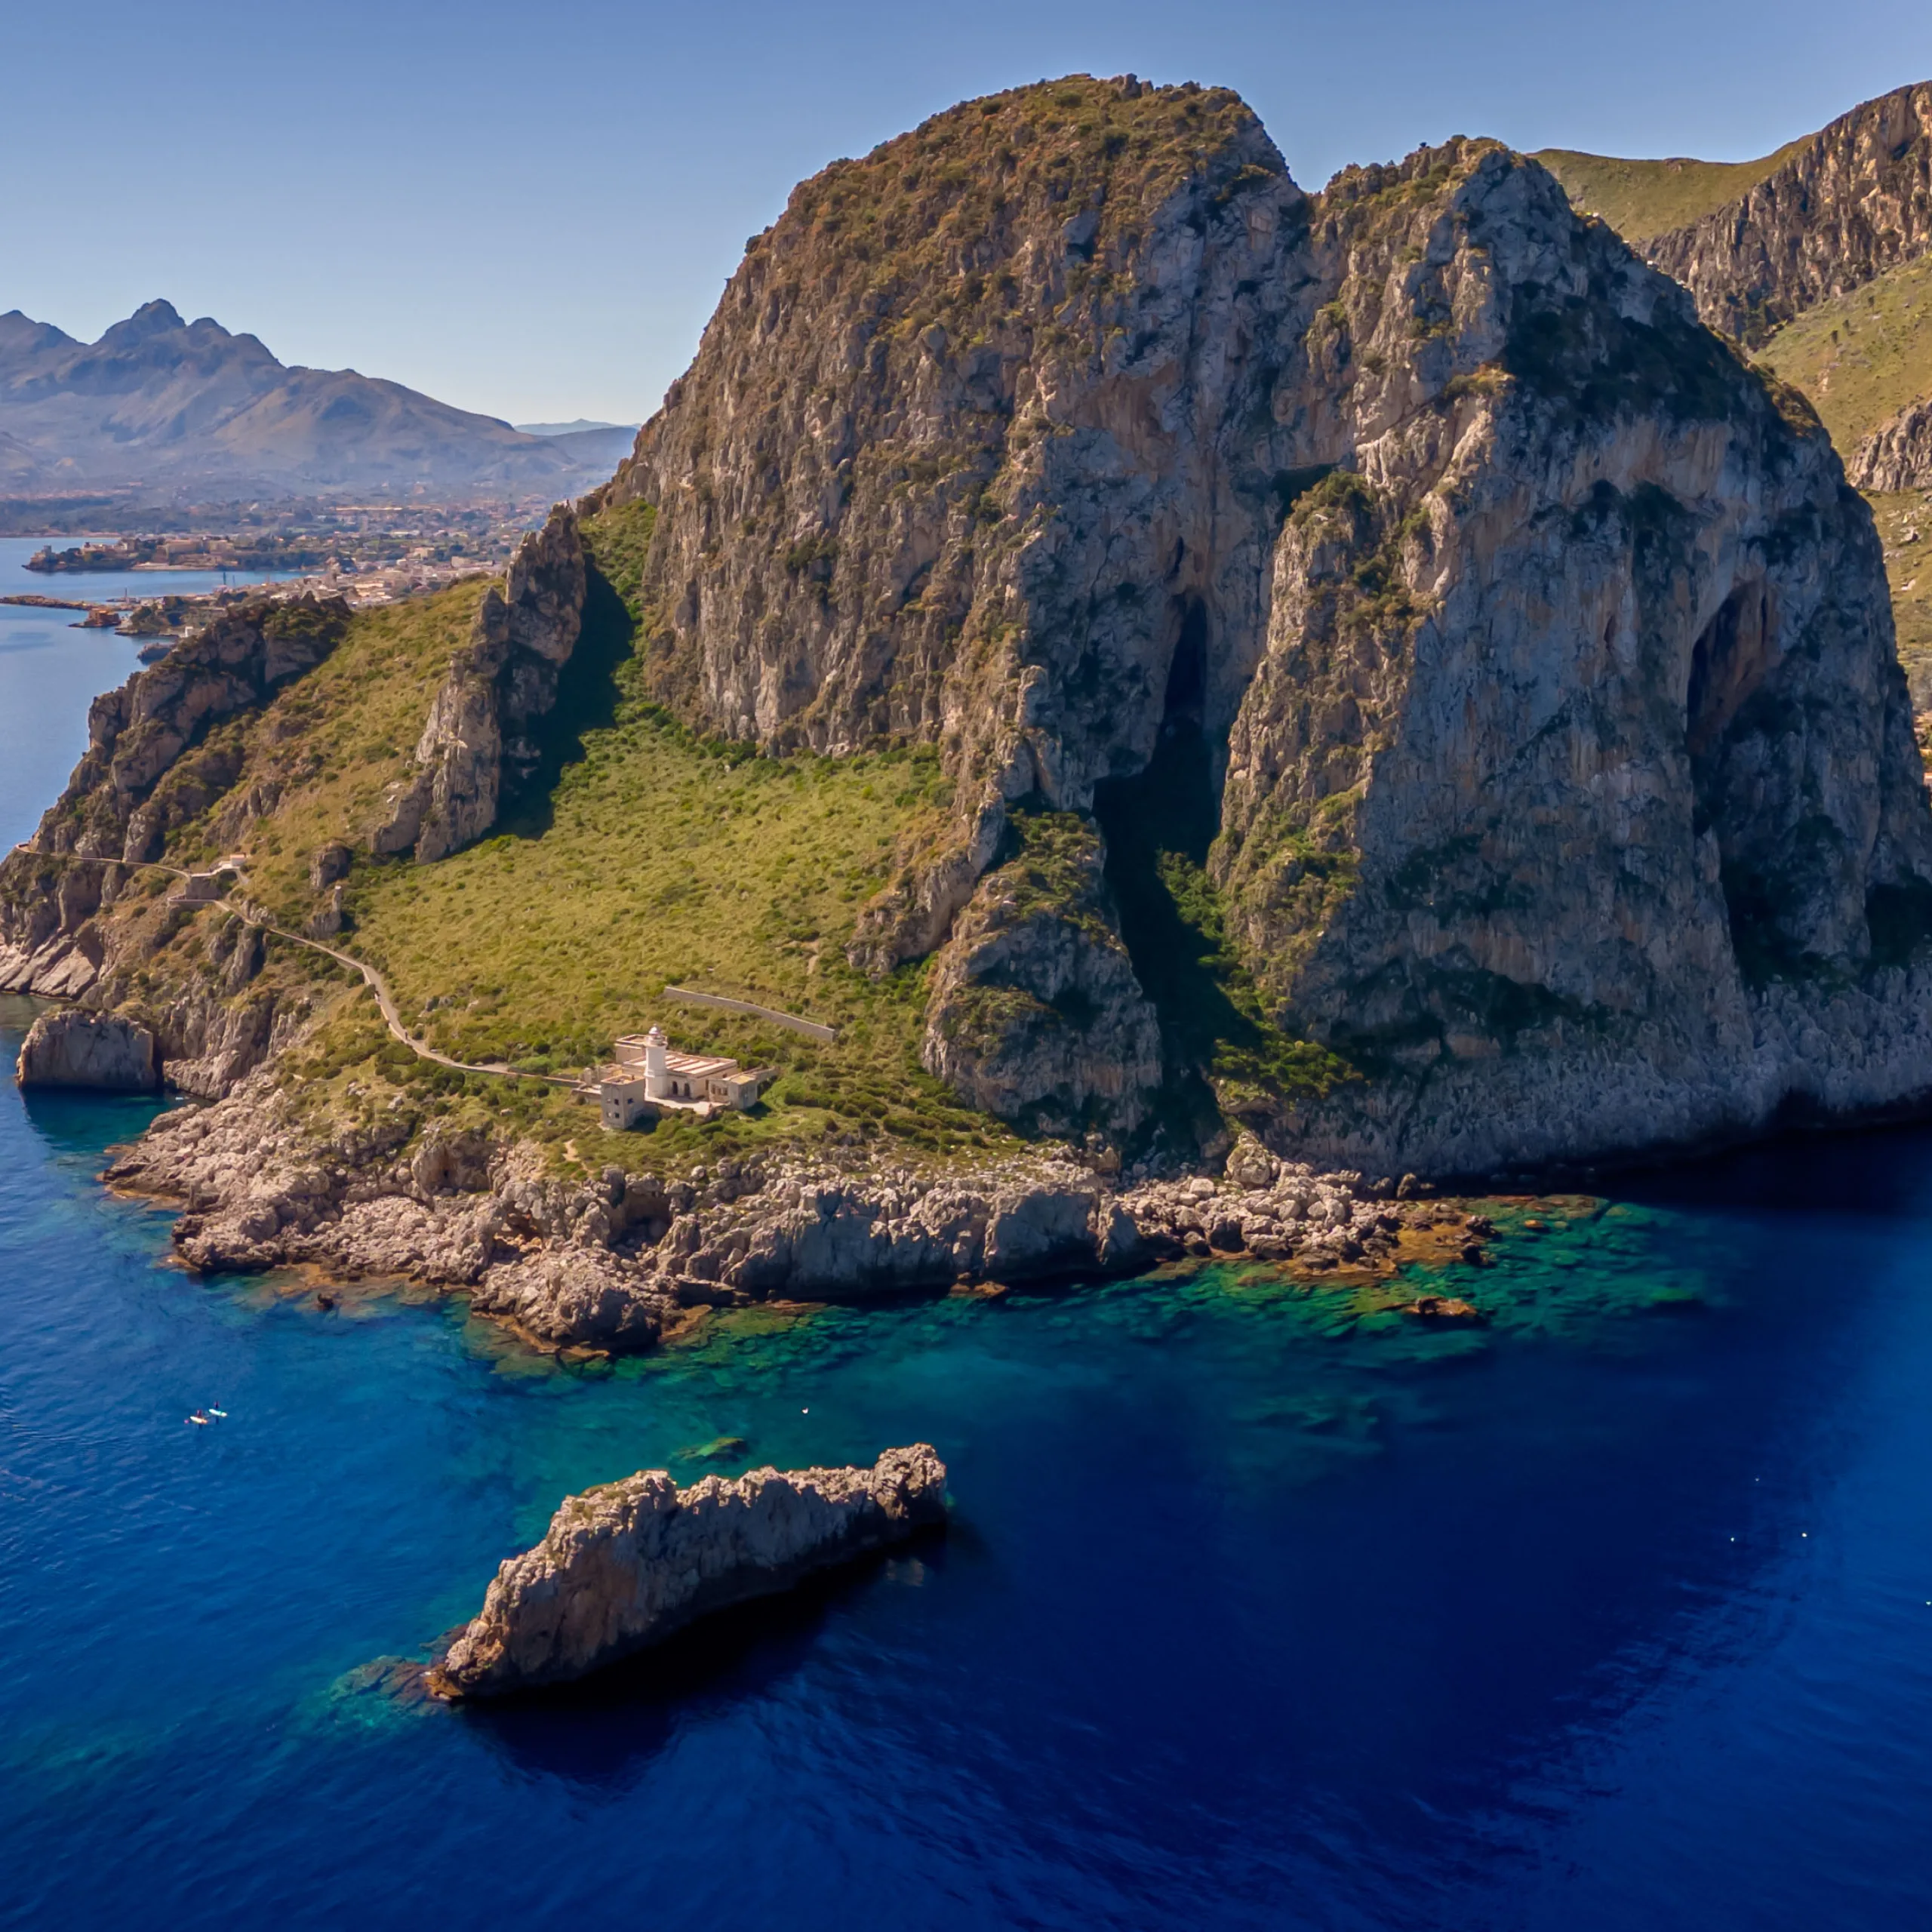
[1643,198]
[1862,357]
[646,856]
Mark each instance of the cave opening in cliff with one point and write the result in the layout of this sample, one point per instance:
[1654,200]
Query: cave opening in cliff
[1728,664]
[1184,704]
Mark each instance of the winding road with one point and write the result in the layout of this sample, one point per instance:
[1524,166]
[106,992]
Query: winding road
[254,916]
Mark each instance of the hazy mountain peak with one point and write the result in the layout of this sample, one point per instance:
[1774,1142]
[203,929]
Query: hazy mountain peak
[157,396]
[150,318]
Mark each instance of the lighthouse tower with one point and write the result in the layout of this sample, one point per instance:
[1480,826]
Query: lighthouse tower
[657,1074]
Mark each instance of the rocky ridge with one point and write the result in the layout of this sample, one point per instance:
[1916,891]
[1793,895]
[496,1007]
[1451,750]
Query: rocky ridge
[1897,455]
[626,1564]
[1557,768]
[1853,201]
[476,742]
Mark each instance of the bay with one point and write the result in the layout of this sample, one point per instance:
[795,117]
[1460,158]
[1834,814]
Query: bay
[1260,1608]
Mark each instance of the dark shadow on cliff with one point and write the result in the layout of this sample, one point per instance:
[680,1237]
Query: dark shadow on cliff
[601,1732]
[588,693]
[1167,812]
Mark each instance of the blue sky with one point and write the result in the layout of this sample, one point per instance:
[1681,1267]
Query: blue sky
[530,210]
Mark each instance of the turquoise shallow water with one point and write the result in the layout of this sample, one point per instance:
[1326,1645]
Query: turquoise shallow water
[1259,1608]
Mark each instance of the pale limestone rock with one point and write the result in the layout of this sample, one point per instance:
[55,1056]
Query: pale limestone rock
[1544,664]
[475,741]
[627,1565]
[1897,455]
[1035,1014]
[67,1047]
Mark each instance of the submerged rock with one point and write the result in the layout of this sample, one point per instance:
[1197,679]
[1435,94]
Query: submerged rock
[626,1564]
[70,1048]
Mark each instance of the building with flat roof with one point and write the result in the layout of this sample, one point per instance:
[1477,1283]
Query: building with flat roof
[649,1078]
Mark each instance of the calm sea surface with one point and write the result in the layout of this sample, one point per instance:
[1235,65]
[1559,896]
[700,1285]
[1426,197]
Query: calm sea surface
[1259,1609]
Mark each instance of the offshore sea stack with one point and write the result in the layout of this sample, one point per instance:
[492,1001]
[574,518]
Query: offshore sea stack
[1520,648]
[627,1565]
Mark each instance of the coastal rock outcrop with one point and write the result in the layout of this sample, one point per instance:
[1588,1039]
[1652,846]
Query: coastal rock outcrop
[477,743]
[610,1264]
[1897,455]
[627,1565]
[67,1047]
[1853,201]
[1035,1014]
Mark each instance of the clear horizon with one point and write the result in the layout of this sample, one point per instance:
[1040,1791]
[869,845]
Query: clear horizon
[535,222]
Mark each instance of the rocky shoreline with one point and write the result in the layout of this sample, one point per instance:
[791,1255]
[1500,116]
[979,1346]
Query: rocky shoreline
[615,1261]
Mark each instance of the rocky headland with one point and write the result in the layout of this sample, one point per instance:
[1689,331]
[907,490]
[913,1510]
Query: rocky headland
[617,1261]
[629,1563]
[1409,698]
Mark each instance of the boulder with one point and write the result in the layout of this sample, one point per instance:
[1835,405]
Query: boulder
[67,1047]
[625,1565]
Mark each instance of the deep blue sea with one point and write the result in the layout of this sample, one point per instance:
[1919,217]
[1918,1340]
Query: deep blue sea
[1260,1608]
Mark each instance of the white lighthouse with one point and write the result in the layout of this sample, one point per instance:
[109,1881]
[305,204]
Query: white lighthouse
[656,1070]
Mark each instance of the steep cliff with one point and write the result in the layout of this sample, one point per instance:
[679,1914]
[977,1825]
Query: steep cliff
[1850,202]
[1561,769]
[155,759]
[1370,670]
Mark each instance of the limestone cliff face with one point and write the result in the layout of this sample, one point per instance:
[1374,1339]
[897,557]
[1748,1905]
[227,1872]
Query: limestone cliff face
[160,749]
[1854,201]
[626,1565]
[1575,800]
[1897,455]
[1563,768]
[980,423]
[476,741]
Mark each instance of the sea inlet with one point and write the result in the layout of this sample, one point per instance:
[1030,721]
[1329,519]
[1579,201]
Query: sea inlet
[1262,1605]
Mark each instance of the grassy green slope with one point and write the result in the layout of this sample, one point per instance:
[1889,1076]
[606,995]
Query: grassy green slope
[1643,198]
[652,858]
[1904,526]
[1862,357]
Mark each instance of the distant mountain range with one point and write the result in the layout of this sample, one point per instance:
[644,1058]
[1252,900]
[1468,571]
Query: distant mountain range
[160,402]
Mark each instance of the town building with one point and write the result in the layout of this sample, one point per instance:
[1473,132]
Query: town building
[649,1079]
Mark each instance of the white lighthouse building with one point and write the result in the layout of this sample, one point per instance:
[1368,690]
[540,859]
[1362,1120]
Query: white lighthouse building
[650,1078]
